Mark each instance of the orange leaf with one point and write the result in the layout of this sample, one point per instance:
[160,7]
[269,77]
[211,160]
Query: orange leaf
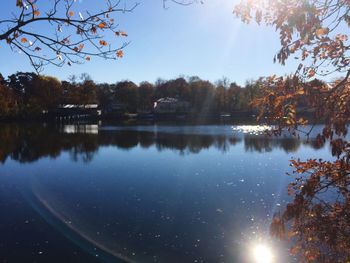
[36,13]
[102,25]
[24,40]
[120,53]
[70,13]
[321,31]
[103,43]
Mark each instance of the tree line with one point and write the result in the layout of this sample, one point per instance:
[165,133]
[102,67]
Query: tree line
[26,94]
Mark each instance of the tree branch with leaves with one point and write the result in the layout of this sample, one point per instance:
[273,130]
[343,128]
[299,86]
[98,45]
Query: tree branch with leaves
[315,33]
[73,36]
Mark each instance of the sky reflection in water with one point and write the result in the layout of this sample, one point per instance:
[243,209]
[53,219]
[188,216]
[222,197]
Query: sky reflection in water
[143,193]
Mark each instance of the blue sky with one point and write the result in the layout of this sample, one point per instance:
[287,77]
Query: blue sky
[204,40]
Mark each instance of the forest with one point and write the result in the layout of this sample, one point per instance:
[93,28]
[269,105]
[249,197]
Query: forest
[28,95]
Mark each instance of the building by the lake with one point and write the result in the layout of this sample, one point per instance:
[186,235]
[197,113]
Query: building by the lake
[78,110]
[171,106]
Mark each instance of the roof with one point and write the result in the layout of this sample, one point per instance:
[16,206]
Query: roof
[167,100]
[72,106]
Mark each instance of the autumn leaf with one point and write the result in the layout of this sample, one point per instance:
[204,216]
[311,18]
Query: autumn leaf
[342,37]
[103,43]
[120,53]
[93,30]
[78,49]
[19,3]
[277,228]
[70,13]
[312,73]
[321,31]
[36,13]
[102,25]
[121,33]
[318,222]
[24,40]
[65,40]
[87,58]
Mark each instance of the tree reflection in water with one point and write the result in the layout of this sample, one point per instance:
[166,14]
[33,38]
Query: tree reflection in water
[28,143]
[209,197]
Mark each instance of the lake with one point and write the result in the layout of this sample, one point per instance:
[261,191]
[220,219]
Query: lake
[143,193]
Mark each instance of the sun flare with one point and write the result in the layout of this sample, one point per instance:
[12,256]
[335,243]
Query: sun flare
[262,254]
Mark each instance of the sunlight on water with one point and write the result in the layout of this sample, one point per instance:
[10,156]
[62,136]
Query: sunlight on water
[147,193]
[252,129]
[262,254]
[85,129]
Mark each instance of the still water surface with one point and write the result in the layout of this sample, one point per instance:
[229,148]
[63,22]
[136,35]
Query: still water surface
[145,193]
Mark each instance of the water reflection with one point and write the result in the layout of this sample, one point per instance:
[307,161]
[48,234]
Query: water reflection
[265,144]
[152,193]
[29,143]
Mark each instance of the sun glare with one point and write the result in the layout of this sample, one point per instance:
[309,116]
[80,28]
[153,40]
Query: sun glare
[262,254]
[252,129]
